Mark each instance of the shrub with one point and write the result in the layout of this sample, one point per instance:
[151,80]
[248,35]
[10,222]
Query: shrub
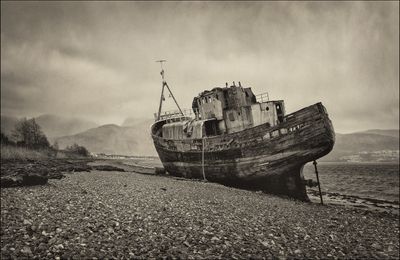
[77,150]
[5,140]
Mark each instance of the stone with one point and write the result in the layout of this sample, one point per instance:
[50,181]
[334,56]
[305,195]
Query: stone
[376,246]
[214,239]
[59,246]
[42,246]
[26,250]
[30,180]
[51,241]
[27,222]
[265,243]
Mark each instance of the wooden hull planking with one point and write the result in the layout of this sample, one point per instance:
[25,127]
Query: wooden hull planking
[261,158]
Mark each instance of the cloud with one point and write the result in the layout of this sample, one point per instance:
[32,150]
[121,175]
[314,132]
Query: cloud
[96,59]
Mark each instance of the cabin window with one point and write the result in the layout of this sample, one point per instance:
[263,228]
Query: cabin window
[266,136]
[217,97]
[279,113]
[284,131]
[247,94]
[210,128]
[231,116]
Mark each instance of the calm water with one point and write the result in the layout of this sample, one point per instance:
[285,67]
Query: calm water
[366,180]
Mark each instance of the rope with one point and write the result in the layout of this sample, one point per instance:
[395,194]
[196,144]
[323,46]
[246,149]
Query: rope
[202,159]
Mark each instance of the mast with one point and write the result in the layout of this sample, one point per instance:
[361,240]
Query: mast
[164,84]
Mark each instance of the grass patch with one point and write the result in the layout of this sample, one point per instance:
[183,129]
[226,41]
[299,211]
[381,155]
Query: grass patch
[21,153]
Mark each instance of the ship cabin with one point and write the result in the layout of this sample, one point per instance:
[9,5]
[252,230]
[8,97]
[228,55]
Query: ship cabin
[223,111]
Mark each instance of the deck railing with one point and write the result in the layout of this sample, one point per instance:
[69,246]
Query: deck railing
[175,114]
[263,97]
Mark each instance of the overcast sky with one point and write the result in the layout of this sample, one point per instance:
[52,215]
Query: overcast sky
[96,60]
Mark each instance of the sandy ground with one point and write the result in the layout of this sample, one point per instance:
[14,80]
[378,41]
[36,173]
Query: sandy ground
[102,214]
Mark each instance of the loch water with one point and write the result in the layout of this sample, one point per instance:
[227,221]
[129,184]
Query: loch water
[365,180]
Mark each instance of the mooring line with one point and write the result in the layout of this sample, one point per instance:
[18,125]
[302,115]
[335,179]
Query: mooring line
[202,159]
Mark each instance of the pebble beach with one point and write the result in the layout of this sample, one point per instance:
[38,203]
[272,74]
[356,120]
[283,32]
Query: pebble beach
[99,214]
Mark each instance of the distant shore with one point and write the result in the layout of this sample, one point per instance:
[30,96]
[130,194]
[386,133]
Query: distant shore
[347,162]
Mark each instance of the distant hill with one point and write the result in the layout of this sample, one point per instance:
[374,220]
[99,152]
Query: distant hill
[113,139]
[55,126]
[391,132]
[371,145]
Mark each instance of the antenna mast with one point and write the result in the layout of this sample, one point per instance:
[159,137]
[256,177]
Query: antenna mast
[164,84]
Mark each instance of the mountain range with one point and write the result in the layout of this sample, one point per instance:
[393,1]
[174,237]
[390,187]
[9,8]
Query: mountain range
[132,137]
[53,126]
[370,145]
[114,139]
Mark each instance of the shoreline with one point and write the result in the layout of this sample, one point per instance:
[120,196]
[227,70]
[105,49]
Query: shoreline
[338,162]
[110,211]
[58,168]
[124,214]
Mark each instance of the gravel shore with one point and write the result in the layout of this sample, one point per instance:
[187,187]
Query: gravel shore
[102,214]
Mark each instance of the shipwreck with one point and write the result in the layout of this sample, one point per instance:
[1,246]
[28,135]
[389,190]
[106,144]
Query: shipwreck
[234,137]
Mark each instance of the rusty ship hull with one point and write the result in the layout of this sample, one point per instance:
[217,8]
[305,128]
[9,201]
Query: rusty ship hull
[264,157]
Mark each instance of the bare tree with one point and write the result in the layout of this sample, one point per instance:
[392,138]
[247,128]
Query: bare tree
[29,134]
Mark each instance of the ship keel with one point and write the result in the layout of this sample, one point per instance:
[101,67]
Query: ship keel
[282,180]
